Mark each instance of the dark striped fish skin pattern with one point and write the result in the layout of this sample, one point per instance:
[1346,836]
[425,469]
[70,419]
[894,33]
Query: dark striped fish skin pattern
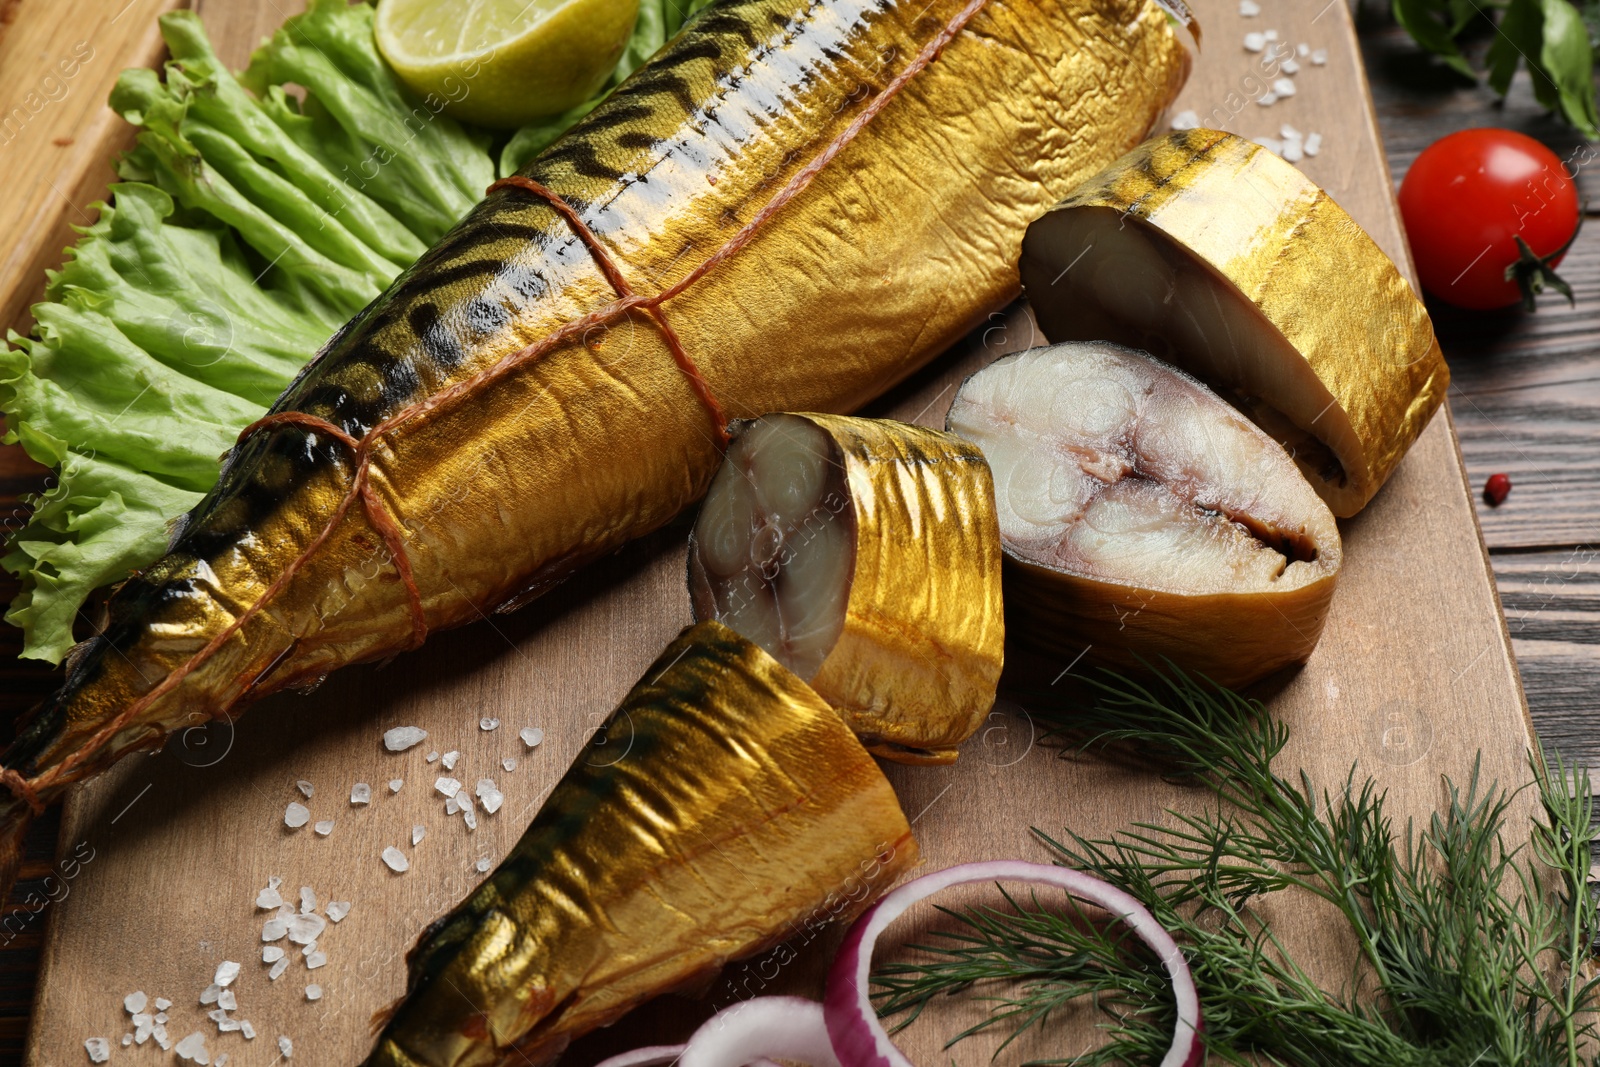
[904,241]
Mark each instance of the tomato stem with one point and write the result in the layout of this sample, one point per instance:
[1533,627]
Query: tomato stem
[1534,274]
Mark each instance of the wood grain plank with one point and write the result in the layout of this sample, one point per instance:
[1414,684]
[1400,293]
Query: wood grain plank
[58,62]
[181,841]
[1526,389]
[1552,605]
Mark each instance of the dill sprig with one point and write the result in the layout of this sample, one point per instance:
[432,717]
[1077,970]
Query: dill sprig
[1471,951]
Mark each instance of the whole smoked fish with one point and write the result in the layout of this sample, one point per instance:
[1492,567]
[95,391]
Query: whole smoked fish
[797,204]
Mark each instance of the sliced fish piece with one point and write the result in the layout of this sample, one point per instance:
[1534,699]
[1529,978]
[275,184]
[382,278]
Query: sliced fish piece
[1219,257]
[865,556]
[1142,516]
[722,806]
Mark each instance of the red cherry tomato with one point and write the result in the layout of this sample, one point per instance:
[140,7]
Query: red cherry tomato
[1466,200]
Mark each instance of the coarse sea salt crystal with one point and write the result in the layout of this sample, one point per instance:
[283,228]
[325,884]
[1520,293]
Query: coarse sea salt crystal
[316,959]
[433,755]
[1267,99]
[1294,151]
[98,1048]
[134,1002]
[1186,120]
[193,1048]
[416,835]
[395,859]
[1271,35]
[227,971]
[486,724]
[449,759]
[1289,66]
[1271,144]
[361,793]
[222,1060]
[296,815]
[161,1038]
[286,1047]
[161,1016]
[338,909]
[273,929]
[308,899]
[271,954]
[471,818]
[247,1029]
[213,991]
[127,1039]
[1319,58]
[1254,42]
[531,736]
[403,737]
[324,828]
[308,948]
[278,969]
[162,1004]
[452,806]
[509,763]
[395,784]
[1313,143]
[268,898]
[484,864]
[305,788]
[227,1001]
[313,992]
[1289,133]
[490,795]
[1302,50]
[142,1025]
[1249,8]
[1283,87]
[464,799]
[447,786]
[305,928]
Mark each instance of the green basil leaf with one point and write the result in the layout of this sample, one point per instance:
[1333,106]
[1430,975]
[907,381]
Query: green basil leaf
[1434,24]
[1519,38]
[1567,61]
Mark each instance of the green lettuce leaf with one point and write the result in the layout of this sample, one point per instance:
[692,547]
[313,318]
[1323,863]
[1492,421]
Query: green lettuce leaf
[257,214]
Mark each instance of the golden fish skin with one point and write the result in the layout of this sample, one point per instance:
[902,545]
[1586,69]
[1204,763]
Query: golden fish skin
[902,243]
[1355,373]
[921,642]
[723,807]
[1224,636]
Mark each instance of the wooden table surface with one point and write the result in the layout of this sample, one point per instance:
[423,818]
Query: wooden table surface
[1526,400]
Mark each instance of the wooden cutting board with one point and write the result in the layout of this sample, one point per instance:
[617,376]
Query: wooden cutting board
[162,860]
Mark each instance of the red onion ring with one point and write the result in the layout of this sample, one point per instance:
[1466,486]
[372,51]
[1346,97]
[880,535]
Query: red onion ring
[647,1056]
[750,1033]
[860,1039]
[844,1028]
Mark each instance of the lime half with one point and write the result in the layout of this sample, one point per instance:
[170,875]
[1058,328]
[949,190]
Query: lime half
[504,63]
